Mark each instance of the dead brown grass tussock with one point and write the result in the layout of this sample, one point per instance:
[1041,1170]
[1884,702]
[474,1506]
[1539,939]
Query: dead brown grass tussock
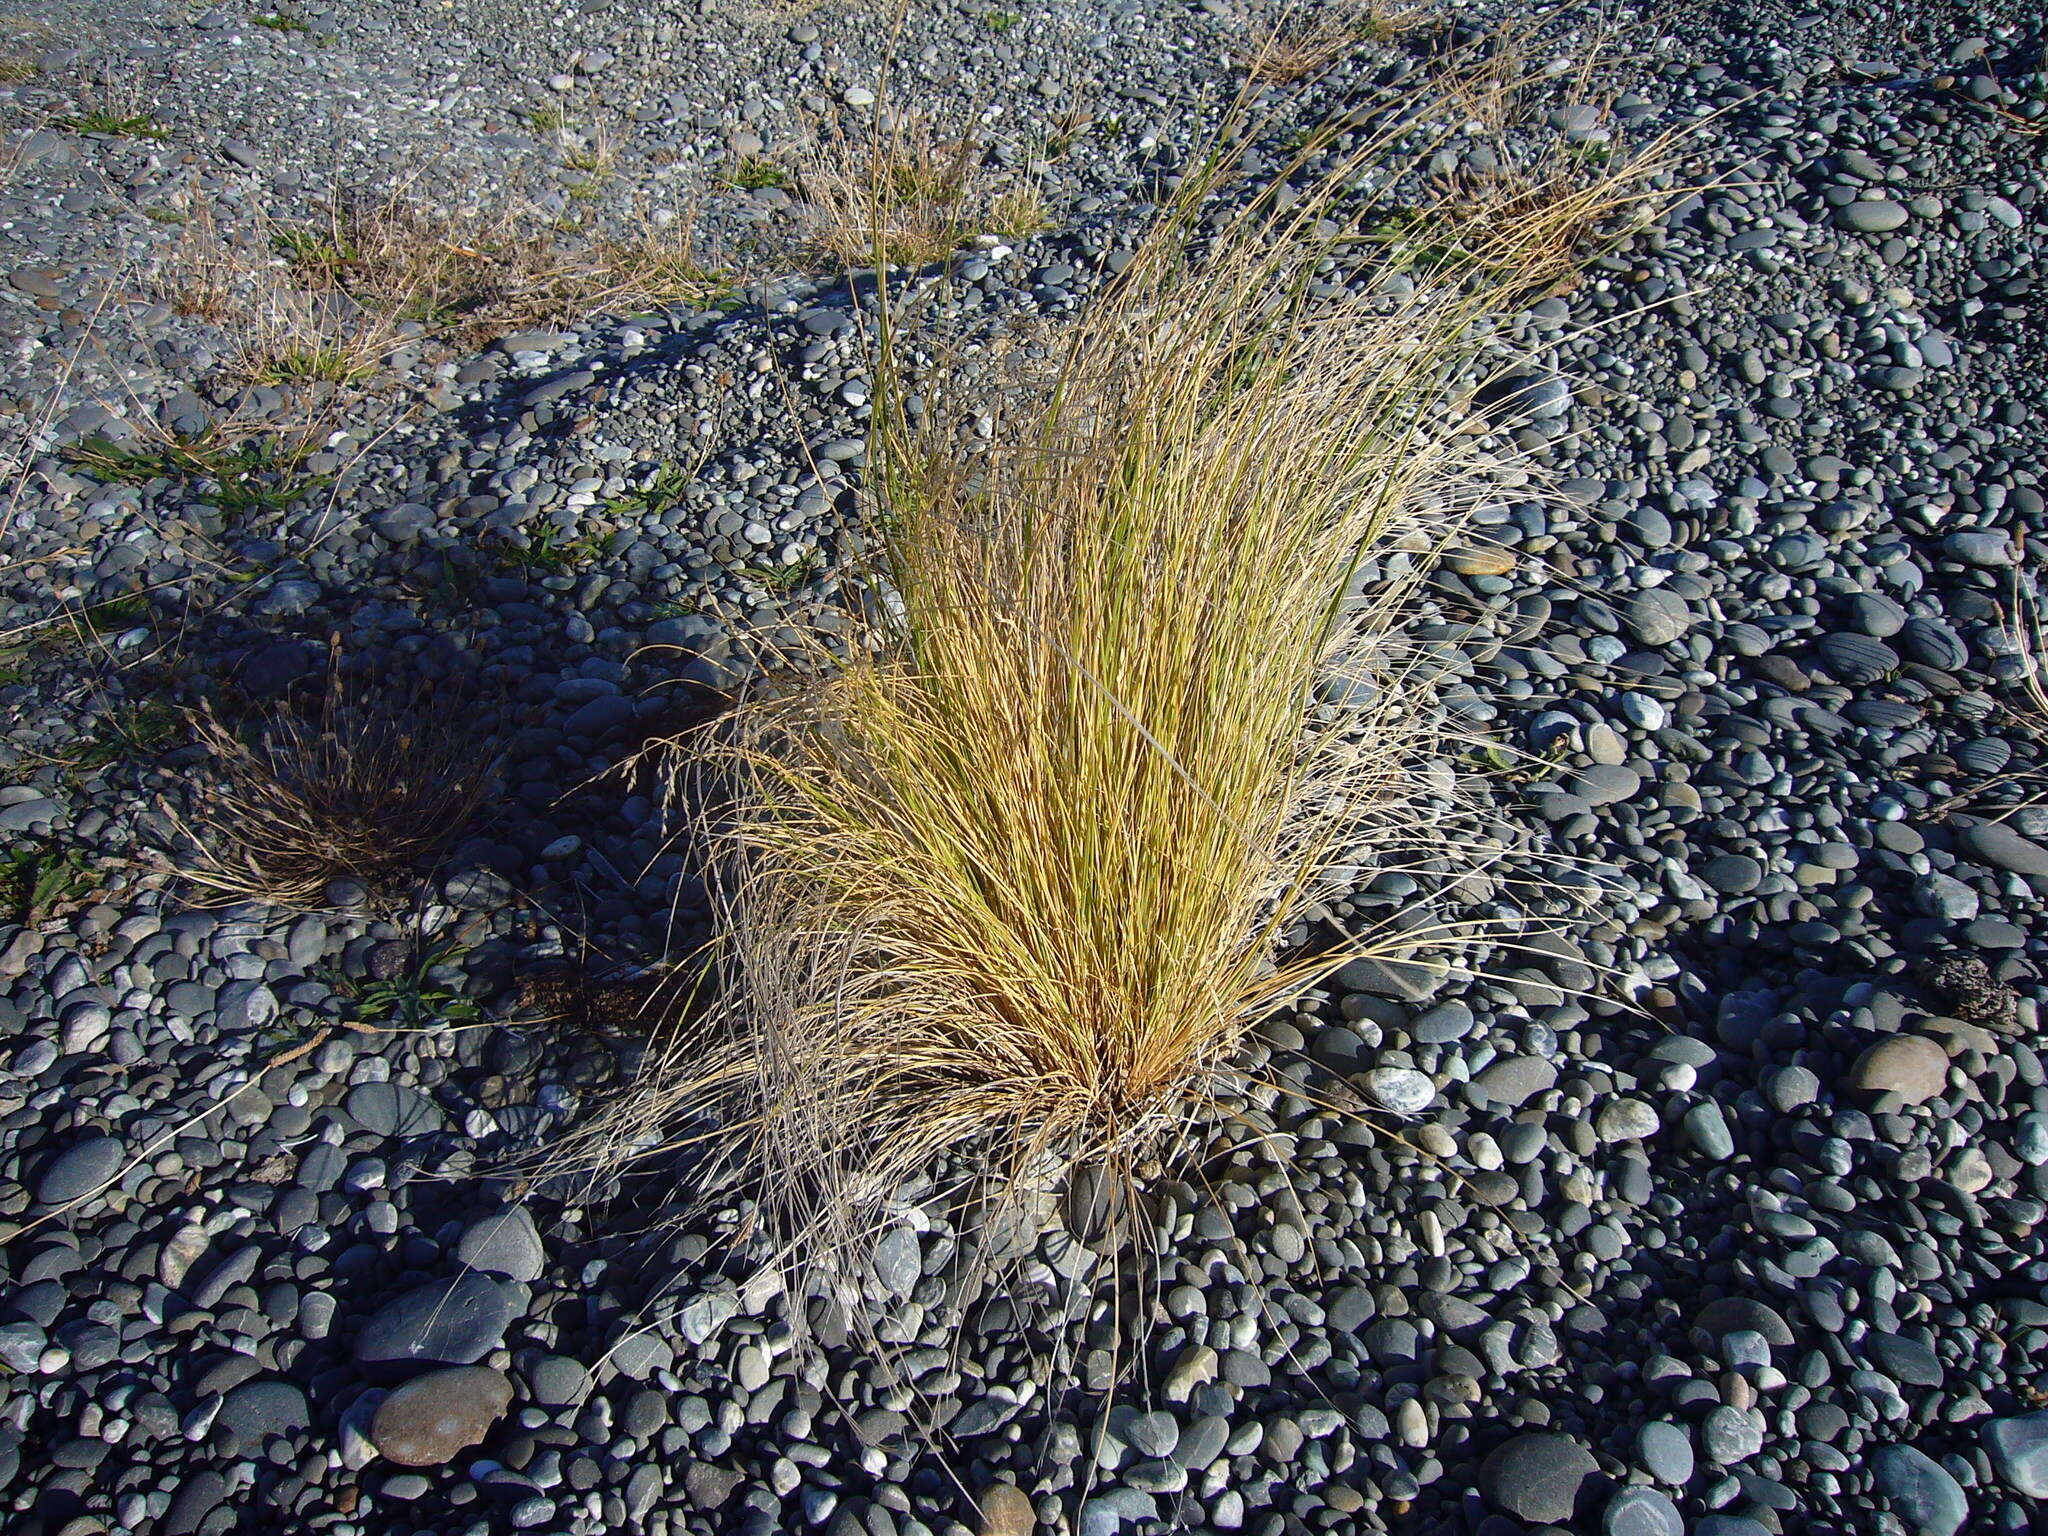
[368,783]
[907,191]
[1296,40]
[329,299]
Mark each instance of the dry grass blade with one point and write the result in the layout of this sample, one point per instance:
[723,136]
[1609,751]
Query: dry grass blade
[1299,40]
[285,325]
[1011,874]
[907,192]
[326,301]
[1015,879]
[1532,222]
[367,786]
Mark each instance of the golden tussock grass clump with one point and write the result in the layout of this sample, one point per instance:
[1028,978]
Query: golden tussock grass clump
[368,785]
[1013,878]
[1296,40]
[907,191]
[1009,873]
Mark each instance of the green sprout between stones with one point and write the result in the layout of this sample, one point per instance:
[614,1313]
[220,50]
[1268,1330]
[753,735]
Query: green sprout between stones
[1415,241]
[753,174]
[677,608]
[36,881]
[257,474]
[315,252]
[411,1000]
[553,551]
[785,578]
[664,492]
[324,364]
[120,125]
[133,730]
[116,615]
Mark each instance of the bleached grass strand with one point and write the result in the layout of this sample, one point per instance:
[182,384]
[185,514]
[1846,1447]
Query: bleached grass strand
[1009,885]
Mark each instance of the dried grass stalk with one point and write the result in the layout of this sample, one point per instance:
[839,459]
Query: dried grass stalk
[328,301]
[1295,40]
[907,191]
[1012,882]
[368,785]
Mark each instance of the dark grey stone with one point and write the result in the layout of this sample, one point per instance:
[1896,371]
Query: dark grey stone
[259,1409]
[1665,1451]
[2018,1448]
[505,1243]
[1999,845]
[1923,1492]
[79,1169]
[1541,1477]
[448,1322]
[393,1109]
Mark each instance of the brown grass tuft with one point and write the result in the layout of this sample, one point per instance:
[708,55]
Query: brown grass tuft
[1533,221]
[1298,40]
[908,192]
[327,301]
[368,785]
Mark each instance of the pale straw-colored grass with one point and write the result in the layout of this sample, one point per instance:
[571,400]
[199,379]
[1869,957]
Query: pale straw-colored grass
[366,784]
[1014,878]
[1002,884]
[1294,40]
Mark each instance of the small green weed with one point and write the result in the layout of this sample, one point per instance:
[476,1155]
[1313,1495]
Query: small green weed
[1414,241]
[752,174]
[315,252]
[1063,130]
[117,614]
[1516,767]
[37,882]
[133,730]
[159,214]
[281,21]
[677,608]
[1001,21]
[68,626]
[547,119]
[412,999]
[114,124]
[314,365]
[257,474]
[668,487]
[552,551]
[1020,212]
[784,578]
[445,583]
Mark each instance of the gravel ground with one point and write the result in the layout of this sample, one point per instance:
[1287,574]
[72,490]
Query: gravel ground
[1718,1207]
